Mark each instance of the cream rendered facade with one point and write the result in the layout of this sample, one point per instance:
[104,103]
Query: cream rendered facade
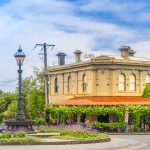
[102,77]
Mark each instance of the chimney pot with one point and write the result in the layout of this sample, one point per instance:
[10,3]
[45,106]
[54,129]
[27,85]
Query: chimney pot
[77,56]
[125,51]
[61,58]
[131,53]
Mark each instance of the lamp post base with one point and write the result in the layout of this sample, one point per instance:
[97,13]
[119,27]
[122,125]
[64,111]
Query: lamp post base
[24,125]
[20,116]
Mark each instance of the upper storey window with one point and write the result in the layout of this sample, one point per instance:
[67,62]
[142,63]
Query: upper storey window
[132,82]
[69,84]
[84,83]
[56,85]
[147,80]
[122,82]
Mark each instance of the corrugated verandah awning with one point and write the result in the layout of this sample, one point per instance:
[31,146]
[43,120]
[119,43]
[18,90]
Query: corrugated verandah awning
[104,101]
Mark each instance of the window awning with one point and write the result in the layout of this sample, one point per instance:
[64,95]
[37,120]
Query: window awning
[104,101]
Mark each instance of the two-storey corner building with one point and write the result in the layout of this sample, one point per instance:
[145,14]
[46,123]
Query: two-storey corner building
[105,75]
[104,80]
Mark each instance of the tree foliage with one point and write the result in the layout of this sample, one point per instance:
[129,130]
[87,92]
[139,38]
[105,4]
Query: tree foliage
[1,118]
[146,92]
[5,100]
[11,110]
[32,95]
[135,111]
[31,83]
[35,103]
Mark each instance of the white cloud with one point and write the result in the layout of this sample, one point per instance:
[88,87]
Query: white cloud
[142,48]
[55,22]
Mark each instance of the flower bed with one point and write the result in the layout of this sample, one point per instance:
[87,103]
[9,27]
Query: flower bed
[74,132]
[73,127]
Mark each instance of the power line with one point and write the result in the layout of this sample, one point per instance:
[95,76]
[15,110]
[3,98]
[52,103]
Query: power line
[43,57]
[8,71]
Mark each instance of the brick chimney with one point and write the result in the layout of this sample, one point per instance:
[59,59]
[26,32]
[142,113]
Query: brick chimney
[77,56]
[125,51]
[61,58]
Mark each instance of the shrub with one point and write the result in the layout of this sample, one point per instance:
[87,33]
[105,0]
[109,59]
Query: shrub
[18,137]
[1,118]
[146,92]
[116,125]
[19,134]
[50,130]
[86,135]
[6,135]
[65,132]
[46,130]
[18,140]
[50,122]
[40,121]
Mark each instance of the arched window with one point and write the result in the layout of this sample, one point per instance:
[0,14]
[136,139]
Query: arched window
[132,82]
[69,84]
[84,83]
[122,82]
[56,85]
[147,79]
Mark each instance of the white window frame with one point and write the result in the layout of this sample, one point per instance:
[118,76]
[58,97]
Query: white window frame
[122,82]
[84,83]
[132,86]
[56,85]
[69,84]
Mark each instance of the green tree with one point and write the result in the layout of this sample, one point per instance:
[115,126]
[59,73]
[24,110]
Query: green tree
[35,103]
[5,100]
[33,94]
[146,92]
[1,92]
[11,110]
[1,118]
[34,82]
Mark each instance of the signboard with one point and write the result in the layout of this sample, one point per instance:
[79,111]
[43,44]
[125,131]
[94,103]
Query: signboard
[126,115]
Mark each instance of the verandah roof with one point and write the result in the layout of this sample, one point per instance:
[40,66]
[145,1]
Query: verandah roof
[104,101]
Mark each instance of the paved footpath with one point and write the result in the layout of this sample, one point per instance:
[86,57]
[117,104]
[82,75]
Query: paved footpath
[117,143]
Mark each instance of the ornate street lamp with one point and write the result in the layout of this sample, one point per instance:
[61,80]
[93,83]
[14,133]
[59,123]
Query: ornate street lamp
[20,56]
[19,122]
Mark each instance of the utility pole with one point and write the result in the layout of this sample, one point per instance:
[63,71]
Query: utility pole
[44,48]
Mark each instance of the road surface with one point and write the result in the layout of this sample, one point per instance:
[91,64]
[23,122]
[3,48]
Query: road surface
[141,138]
[117,141]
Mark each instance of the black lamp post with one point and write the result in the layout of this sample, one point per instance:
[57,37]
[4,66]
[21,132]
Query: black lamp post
[20,56]
[19,122]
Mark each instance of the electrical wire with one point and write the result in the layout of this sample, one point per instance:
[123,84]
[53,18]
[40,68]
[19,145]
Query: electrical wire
[32,57]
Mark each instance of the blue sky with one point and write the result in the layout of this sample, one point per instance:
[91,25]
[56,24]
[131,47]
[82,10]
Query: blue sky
[97,26]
